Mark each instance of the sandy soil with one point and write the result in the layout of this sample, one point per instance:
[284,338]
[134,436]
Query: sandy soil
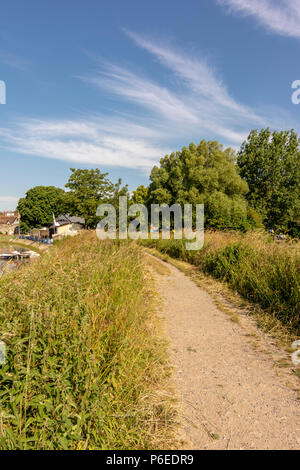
[231,395]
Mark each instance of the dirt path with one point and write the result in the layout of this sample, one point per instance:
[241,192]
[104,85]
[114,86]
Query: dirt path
[231,395]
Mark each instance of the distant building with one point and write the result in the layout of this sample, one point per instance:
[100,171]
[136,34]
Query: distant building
[66,225]
[40,233]
[10,214]
[9,222]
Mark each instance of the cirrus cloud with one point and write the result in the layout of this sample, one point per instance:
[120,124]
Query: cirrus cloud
[279,16]
[194,104]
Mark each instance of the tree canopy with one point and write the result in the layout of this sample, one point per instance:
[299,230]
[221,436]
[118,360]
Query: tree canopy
[203,174]
[140,195]
[88,189]
[38,205]
[261,182]
[270,163]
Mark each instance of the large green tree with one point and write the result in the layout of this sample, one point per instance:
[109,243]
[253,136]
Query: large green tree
[88,189]
[203,174]
[140,195]
[38,205]
[270,163]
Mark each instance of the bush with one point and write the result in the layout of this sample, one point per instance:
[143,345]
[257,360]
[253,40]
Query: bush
[224,263]
[223,212]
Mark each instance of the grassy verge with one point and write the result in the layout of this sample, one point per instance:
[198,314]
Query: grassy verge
[85,365]
[260,270]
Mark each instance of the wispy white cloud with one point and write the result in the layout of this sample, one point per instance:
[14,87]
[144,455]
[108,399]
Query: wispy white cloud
[196,105]
[201,102]
[13,61]
[195,73]
[142,91]
[110,143]
[279,16]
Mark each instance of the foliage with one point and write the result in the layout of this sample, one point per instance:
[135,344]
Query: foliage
[140,195]
[223,212]
[88,189]
[255,266]
[118,190]
[204,174]
[270,163]
[273,283]
[37,207]
[83,352]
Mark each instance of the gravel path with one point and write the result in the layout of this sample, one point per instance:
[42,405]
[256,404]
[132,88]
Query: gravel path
[231,395]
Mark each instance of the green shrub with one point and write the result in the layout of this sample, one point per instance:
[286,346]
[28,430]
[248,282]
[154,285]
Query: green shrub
[225,263]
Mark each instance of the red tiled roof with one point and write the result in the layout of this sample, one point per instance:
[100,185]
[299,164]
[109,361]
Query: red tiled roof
[8,220]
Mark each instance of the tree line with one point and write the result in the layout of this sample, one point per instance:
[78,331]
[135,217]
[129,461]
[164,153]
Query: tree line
[86,189]
[257,187]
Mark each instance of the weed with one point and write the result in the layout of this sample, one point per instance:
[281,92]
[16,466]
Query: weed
[85,364]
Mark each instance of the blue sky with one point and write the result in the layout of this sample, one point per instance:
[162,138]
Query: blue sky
[118,84]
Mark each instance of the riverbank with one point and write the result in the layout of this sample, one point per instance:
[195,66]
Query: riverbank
[13,256]
[34,246]
[86,367]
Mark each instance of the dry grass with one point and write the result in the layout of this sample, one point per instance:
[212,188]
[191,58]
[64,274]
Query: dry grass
[158,267]
[86,366]
[251,270]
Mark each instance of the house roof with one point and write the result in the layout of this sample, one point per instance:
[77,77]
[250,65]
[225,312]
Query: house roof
[39,229]
[8,220]
[64,219]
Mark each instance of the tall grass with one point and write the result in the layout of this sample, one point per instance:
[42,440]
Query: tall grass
[261,270]
[84,364]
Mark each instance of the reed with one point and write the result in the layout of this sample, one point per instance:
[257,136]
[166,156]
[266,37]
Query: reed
[85,363]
